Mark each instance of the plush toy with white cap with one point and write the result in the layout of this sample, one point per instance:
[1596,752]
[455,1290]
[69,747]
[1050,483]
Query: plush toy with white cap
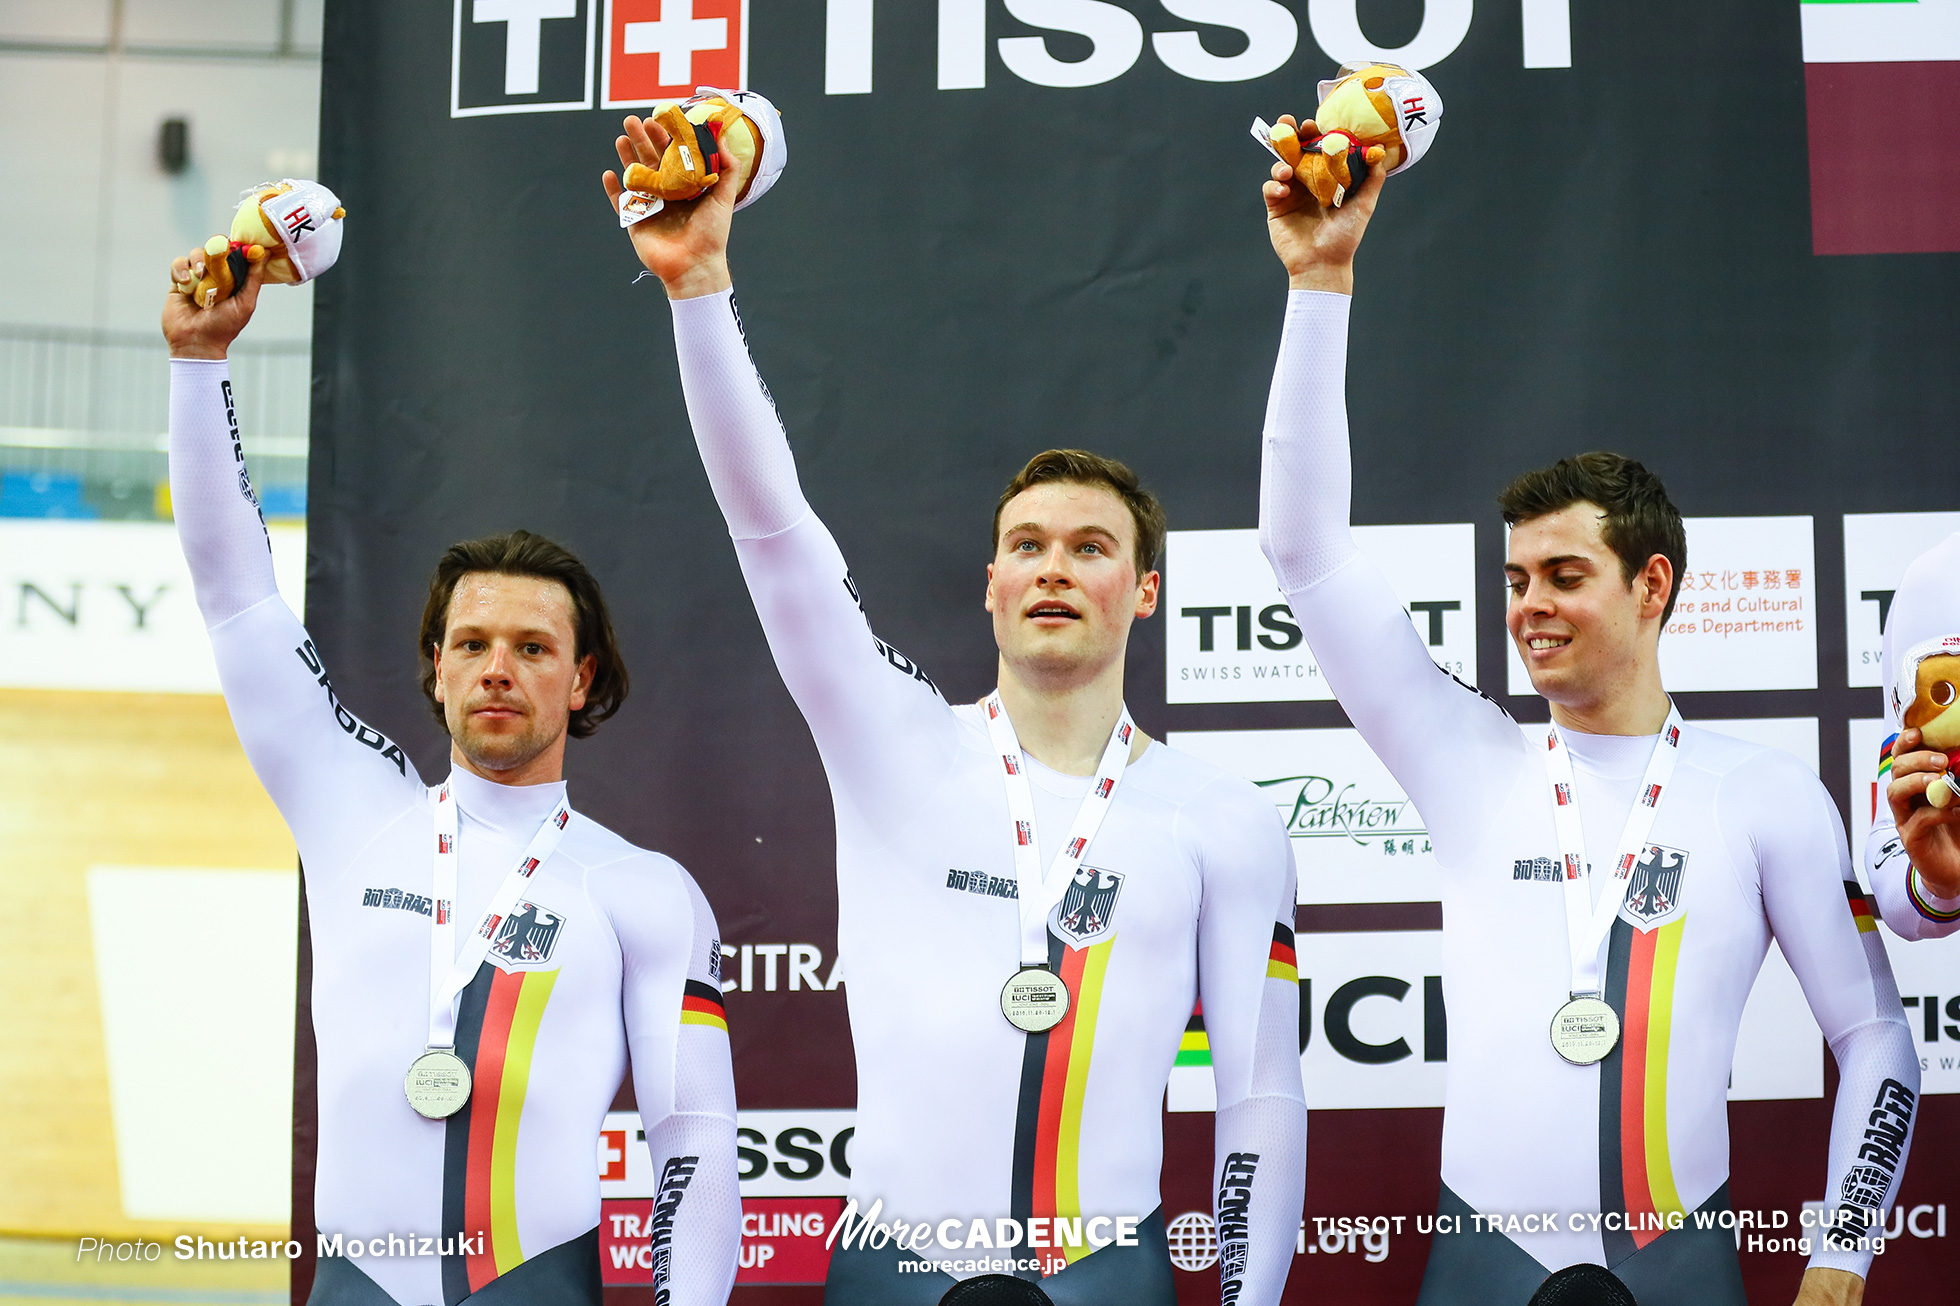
[1926,696]
[1371,115]
[293,227]
[708,134]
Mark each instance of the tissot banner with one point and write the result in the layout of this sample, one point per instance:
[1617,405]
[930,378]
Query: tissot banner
[1016,224]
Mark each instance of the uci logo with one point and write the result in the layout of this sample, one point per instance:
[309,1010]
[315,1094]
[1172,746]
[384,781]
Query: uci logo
[535,56]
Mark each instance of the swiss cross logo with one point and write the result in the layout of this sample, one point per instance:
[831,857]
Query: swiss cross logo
[1105,787]
[1564,793]
[521,56]
[663,49]
[1652,796]
[1013,764]
[1076,845]
[1023,833]
[530,864]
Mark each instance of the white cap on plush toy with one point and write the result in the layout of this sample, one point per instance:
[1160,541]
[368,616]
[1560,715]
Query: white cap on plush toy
[1905,685]
[303,218]
[775,148]
[1418,109]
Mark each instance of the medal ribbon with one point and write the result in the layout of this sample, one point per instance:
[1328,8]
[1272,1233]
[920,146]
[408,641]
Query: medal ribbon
[450,972]
[1038,897]
[1587,923]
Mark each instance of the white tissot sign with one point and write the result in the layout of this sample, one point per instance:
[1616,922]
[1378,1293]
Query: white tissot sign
[1747,613]
[1378,1033]
[785,1153]
[1232,638]
[108,605]
[1928,975]
[1878,547]
[1357,837]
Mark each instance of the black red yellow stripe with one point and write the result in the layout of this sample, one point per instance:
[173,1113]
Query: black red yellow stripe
[1283,963]
[1862,910]
[701,1004]
[1054,1081]
[496,1032]
[1636,1171]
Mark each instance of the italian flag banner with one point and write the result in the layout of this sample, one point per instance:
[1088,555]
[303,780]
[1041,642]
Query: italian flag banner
[1882,90]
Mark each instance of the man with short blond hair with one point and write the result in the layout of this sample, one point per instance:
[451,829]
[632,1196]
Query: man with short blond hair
[1031,893]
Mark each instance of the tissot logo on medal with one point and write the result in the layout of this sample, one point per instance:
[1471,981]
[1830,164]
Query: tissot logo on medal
[1082,916]
[527,935]
[1655,894]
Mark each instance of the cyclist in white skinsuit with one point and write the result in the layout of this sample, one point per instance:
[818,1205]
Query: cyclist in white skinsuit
[609,946]
[966,1124]
[1916,879]
[1746,846]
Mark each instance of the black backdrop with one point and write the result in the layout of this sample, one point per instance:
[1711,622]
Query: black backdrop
[1616,254]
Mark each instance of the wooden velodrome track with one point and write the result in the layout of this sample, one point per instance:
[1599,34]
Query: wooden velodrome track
[97,779]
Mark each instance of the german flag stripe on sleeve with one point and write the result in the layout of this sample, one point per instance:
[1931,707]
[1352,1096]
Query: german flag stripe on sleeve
[1282,963]
[1861,907]
[701,1005]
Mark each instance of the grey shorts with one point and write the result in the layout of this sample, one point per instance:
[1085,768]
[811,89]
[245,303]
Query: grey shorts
[1481,1268]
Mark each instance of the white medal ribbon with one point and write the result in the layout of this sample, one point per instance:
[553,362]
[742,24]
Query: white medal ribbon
[1038,897]
[1587,923]
[450,972]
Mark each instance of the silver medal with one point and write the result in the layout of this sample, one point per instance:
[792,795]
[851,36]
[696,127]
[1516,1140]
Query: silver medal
[437,1084]
[1585,1030]
[1034,1000]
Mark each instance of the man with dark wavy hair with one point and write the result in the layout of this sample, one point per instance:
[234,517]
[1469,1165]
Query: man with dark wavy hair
[1611,880]
[484,958]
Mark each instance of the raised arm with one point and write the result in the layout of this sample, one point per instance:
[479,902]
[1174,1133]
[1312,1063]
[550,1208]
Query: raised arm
[311,753]
[1362,639]
[684,1082]
[1248,983]
[879,721]
[1824,926]
[1912,854]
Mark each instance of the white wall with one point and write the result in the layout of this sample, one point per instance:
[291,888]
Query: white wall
[86,199]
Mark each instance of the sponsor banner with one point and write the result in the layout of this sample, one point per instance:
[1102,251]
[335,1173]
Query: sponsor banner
[521,56]
[1928,974]
[107,605]
[1746,617]
[1878,547]
[1232,638]
[1377,1031]
[794,1167]
[1357,837]
[784,1240]
[782,1153]
[663,49]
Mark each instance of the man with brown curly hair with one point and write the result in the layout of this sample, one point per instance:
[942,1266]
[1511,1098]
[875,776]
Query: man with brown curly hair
[484,958]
